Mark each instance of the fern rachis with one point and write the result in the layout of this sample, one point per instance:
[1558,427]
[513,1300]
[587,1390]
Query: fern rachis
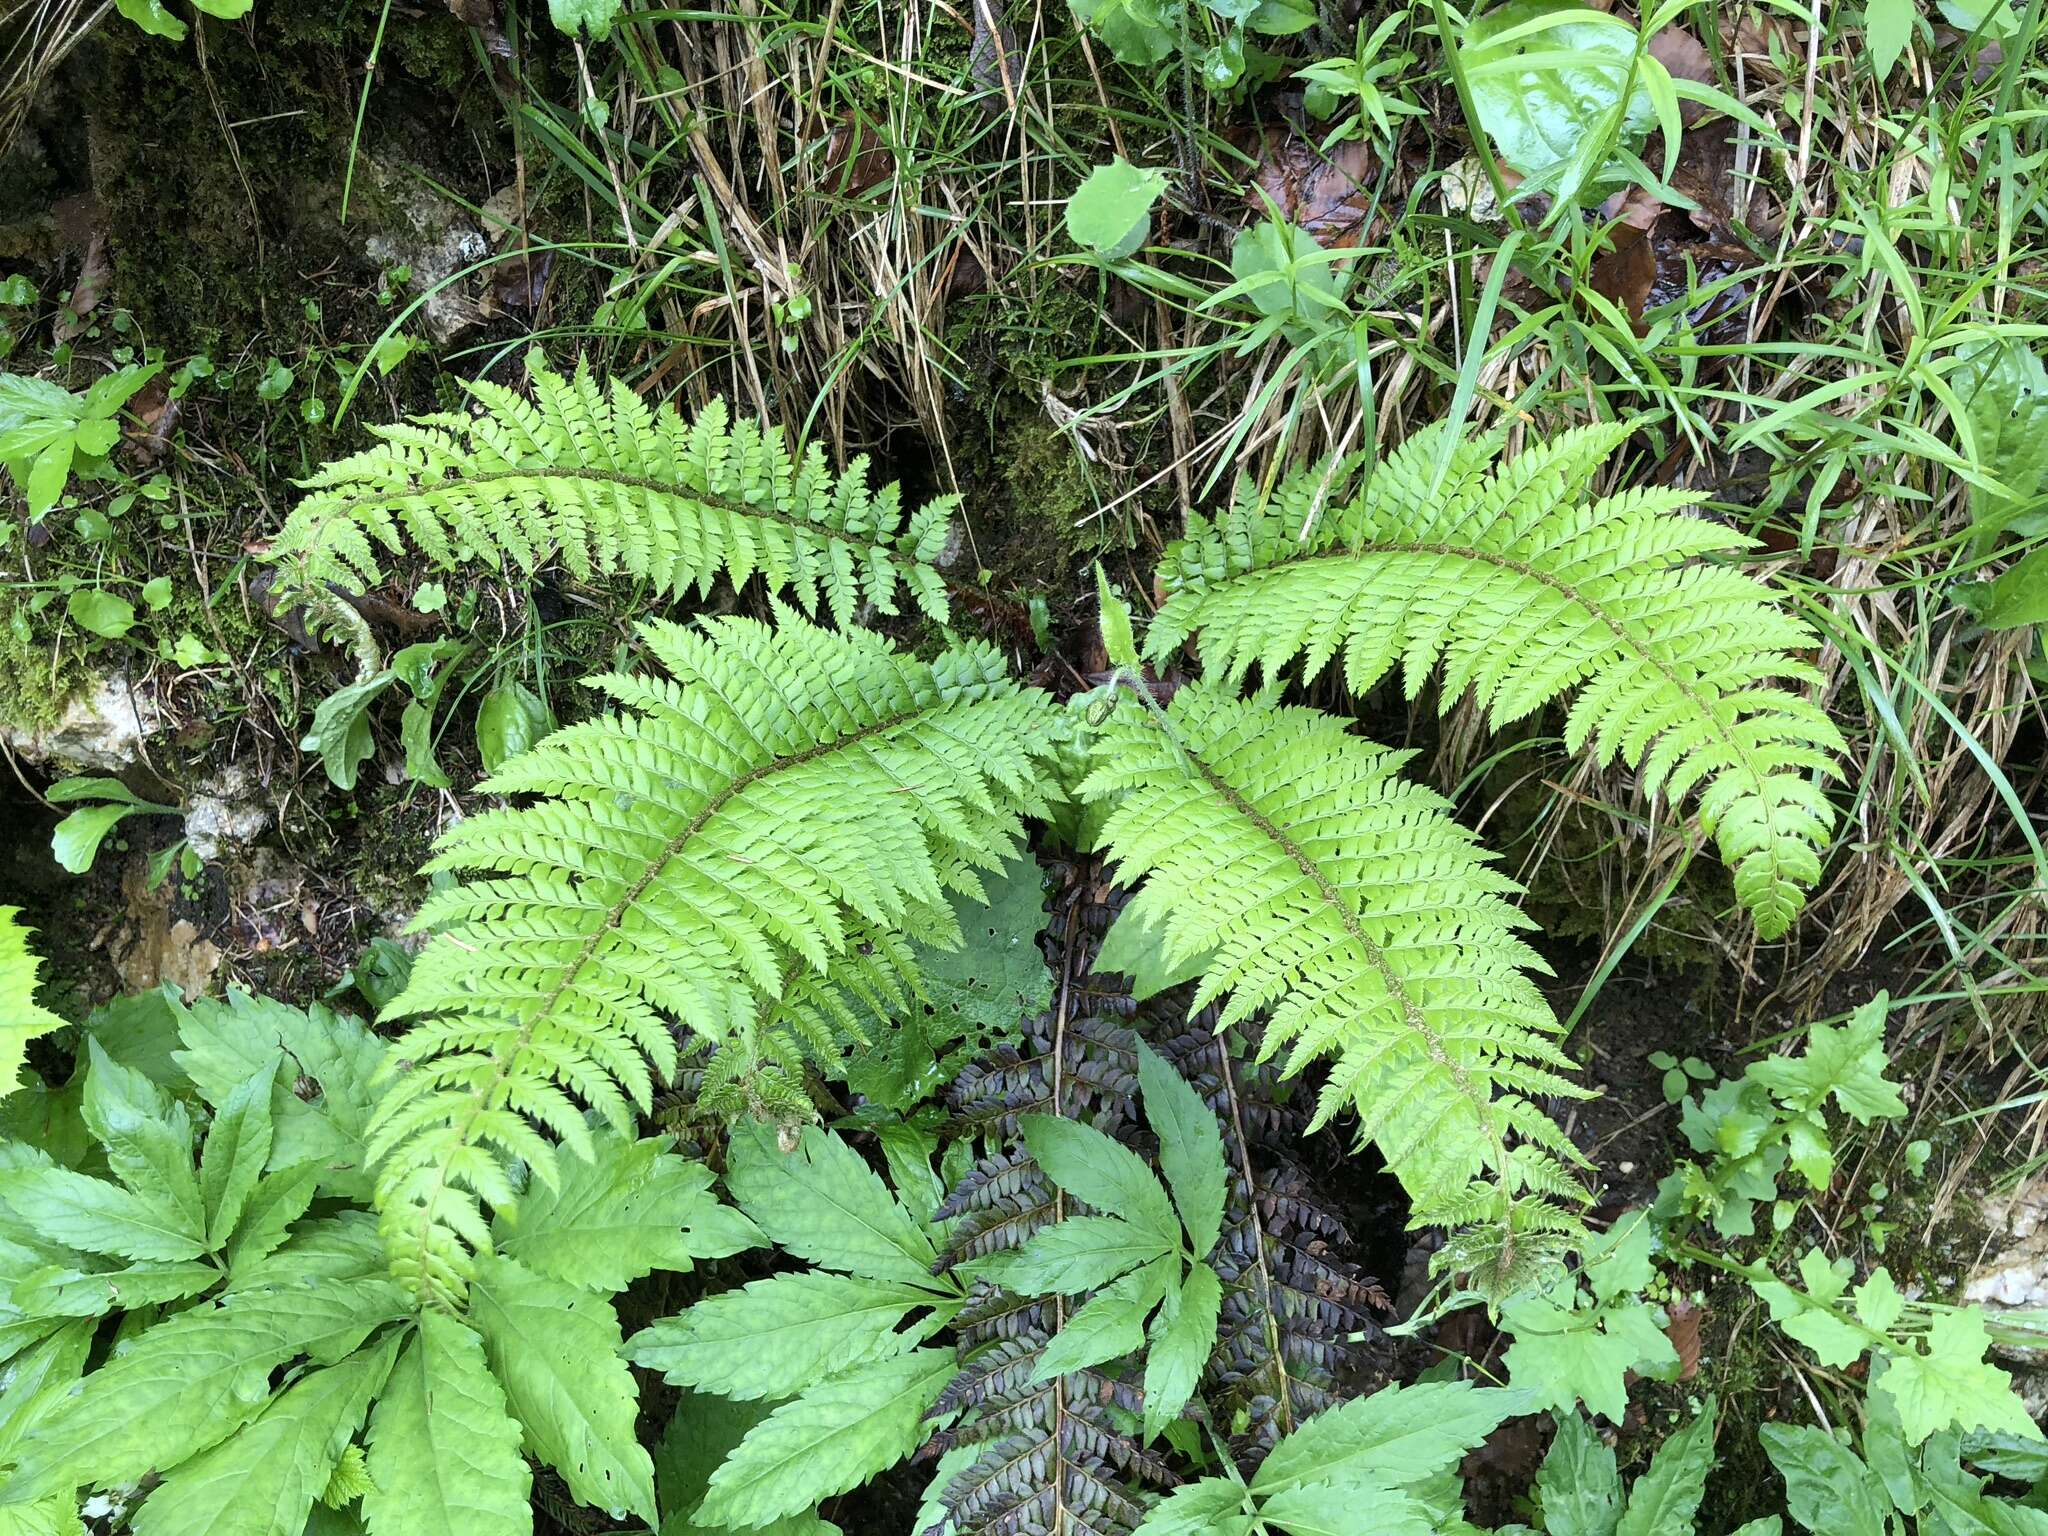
[1525,590]
[793,790]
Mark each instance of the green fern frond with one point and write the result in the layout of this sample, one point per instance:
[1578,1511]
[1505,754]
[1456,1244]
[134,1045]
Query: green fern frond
[787,792]
[610,485]
[21,1020]
[1524,589]
[1317,887]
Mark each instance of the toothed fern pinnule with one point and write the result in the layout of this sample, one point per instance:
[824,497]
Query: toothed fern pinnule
[1525,588]
[1315,885]
[21,1019]
[732,832]
[612,485]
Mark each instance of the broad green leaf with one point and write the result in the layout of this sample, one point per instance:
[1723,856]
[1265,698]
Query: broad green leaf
[63,1291]
[702,1432]
[1827,1488]
[76,839]
[2016,598]
[101,612]
[1578,1484]
[1110,1324]
[324,1092]
[278,1200]
[443,1450]
[1834,1342]
[94,1216]
[1399,1434]
[556,1351]
[1878,1303]
[1951,1383]
[772,1338]
[151,16]
[834,1437]
[237,1147]
[21,1020]
[596,15]
[1565,1354]
[1544,94]
[46,477]
[825,1205]
[1847,1061]
[1190,1148]
[112,391]
[1887,28]
[39,1376]
[1075,1255]
[192,1380]
[1337,1509]
[341,727]
[1618,1260]
[511,719]
[1667,1496]
[1213,1506]
[1102,1171]
[1183,1335]
[1110,214]
[629,1209]
[263,1479]
[1139,32]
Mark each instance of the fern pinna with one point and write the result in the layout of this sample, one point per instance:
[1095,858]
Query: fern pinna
[1366,926]
[1526,588]
[785,792]
[611,485]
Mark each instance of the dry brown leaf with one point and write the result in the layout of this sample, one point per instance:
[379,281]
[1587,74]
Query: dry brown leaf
[94,274]
[1684,58]
[1330,196]
[1684,1333]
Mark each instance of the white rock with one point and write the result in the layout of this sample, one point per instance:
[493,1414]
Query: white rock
[227,809]
[436,239]
[102,729]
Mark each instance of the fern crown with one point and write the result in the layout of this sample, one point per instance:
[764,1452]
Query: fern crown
[725,843]
[613,486]
[1525,589]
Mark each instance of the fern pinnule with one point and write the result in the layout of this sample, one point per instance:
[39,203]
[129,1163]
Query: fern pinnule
[729,841]
[1523,589]
[1357,916]
[611,485]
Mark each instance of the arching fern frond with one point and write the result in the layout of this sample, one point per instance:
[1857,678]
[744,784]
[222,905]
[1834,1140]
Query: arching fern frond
[1524,589]
[1316,886]
[610,485]
[21,1019]
[729,838]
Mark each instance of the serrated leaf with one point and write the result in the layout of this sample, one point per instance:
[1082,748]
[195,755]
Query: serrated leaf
[701,1433]
[236,1150]
[324,1093]
[444,1451]
[1667,1496]
[278,1200]
[1183,1335]
[825,1205]
[1579,1485]
[1566,1355]
[193,1379]
[772,1338]
[1617,1261]
[148,1141]
[556,1351]
[1396,1436]
[1834,1342]
[1827,1487]
[1075,1255]
[1952,1384]
[1213,1506]
[1109,1325]
[21,1020]
[263,1479]
[62,1291]
[38,1376]
[1190,1148]
[1102,1171]
[627,1210]
[1846,1061]
[94,1216]
[1878,1303]
[834,1437]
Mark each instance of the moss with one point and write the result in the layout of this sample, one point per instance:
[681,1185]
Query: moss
[35,682]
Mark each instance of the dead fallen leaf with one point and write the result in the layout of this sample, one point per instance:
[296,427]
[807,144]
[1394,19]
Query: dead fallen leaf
[995,63]
[475,12]
[94,274]
[519,283]
[1684,1333]
[858,160]
[1331,196]
[1684,57]
[156,416]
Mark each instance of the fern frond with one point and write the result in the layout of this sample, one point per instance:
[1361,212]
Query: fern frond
[1317,887]
[725,841]
[610,485]
[1524,589]
[21,1019]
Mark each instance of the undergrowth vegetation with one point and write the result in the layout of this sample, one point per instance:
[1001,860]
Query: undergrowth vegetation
[1107,769]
